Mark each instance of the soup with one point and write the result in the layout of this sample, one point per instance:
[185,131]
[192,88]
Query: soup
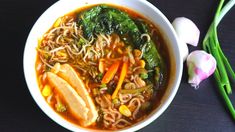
[103,67]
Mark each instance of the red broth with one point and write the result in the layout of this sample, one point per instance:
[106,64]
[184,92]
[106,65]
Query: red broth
[91,84]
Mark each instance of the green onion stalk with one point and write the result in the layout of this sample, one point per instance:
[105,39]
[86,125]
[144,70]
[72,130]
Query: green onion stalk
[211,44]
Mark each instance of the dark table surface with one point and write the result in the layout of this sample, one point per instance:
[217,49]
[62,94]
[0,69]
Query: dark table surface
[192,110]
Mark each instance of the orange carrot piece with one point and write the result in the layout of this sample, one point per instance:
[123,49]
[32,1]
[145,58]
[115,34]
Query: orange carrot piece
[121,79]
[111,72]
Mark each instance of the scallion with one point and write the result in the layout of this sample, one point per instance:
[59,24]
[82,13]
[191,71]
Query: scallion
[211,45]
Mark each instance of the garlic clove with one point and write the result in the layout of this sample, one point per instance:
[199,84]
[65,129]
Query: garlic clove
[183,49]
[200,66]
[186,30]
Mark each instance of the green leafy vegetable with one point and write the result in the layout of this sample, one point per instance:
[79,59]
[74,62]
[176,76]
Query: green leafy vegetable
[108,20]
[136,91]
[150,53]
[211,45]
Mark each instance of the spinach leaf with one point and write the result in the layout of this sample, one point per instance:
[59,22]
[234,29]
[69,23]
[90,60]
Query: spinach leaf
[152,56]
[108,20]
[150,52]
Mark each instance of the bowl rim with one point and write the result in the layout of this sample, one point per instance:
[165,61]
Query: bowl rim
[68,125]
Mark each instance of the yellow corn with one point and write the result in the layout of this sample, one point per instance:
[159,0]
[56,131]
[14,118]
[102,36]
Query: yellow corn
[95,91]
[137,53]
[39,41]
[101,66]
[142,63]
[124,110]
[119,51]
[56,68]
[62,54]
[46,91]
[57,22]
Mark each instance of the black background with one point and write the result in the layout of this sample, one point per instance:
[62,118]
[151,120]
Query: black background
[192,110]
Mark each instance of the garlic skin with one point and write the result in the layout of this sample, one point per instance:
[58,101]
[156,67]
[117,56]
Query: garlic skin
[200,66]
[186,30]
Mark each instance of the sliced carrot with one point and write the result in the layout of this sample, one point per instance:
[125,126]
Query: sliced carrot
[121,79]
[111,72]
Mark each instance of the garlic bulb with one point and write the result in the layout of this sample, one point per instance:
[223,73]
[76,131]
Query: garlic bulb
[200,66]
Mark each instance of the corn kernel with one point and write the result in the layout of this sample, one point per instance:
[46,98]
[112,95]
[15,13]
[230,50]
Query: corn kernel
[46,91]
[57,22]
[39,41]
[101,66]
[95,91]
[119,51]
[137,53]
[142,63]
[56,68]
[124,110]
[62,54]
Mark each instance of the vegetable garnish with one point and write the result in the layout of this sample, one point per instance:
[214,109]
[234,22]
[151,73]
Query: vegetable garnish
[136,91]
[106,20]
[104,66]
[200,66]
[101,66]
[121,79]
[211,45]
[111,72]
[124,110]
[46,91]
[60,107]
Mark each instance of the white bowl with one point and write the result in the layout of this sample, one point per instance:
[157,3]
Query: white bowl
[63,7]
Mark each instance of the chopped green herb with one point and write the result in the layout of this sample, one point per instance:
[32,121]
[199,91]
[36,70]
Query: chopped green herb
[60,107]
[81,42]
[99,76]
[103,85]
[115,101]
[144,75]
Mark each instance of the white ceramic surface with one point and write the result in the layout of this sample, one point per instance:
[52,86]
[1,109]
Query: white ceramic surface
[63,7]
